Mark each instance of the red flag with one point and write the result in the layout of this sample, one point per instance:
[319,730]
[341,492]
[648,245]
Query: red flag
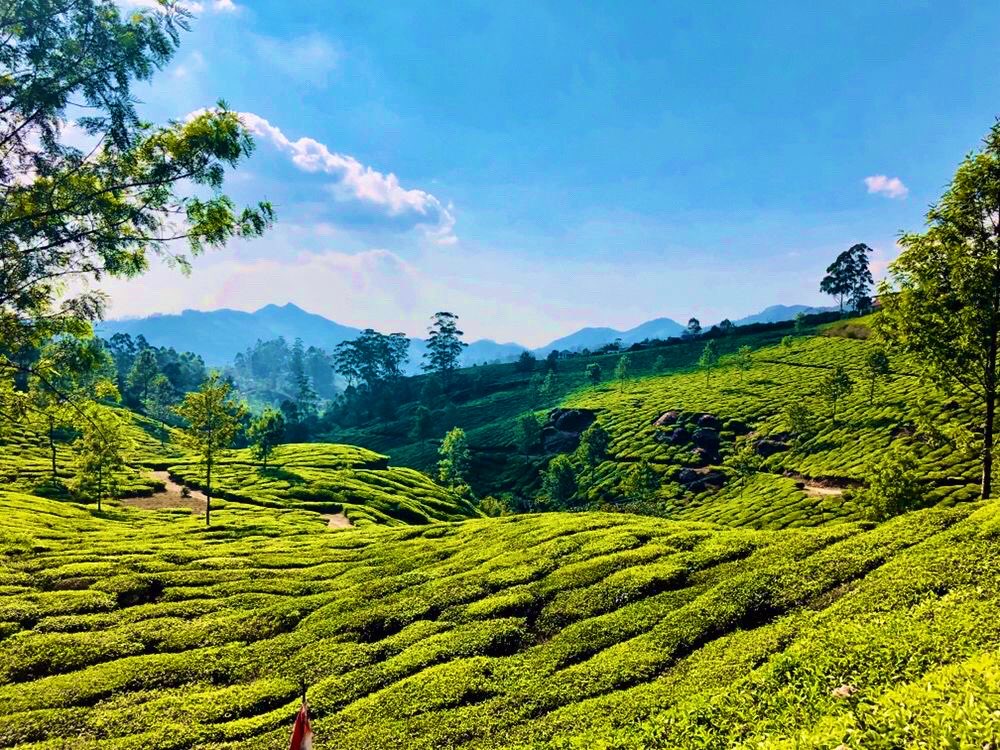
[302,735]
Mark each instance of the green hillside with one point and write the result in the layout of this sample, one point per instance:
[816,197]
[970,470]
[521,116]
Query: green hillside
[137,629]
[324,478]
[809,479]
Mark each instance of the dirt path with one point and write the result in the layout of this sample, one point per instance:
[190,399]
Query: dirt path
[817,490]
[170,497]
[337,521]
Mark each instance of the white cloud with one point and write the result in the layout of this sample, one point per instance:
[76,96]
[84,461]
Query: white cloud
[382,193]
[311,57]
[193,63]
[191,6]
[890,187]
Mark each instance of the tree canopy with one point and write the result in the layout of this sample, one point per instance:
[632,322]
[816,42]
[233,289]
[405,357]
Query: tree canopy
[942,300]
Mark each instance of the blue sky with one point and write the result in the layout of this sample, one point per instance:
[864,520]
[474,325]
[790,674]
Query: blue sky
[536,167]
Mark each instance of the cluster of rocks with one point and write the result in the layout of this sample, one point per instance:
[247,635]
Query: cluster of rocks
[561,431]
[700,431]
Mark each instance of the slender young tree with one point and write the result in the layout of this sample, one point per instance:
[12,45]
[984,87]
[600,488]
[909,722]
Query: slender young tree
[559,483]
[100,454]
[213,418]
[744,360]
[709,359]
[622,370]
[834,387]
[527,433]
[875,367]
[266,433]
[456,460]
[594,373]
[942,302]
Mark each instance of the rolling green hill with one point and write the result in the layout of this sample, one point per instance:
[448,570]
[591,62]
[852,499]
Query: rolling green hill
[137,629]
[324,478]
[806,479]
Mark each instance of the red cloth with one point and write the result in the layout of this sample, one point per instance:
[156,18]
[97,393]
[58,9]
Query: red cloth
[302,736]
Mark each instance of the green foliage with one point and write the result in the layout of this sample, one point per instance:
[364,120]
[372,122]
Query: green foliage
[660,364]
[423,422]
[892,484]
[942,306]
[212,417]
[709,358]
[641,483]
[100,455]
[266,433]
[559,483]
[693,329]
[84,216]
[799,419]
[874,367]
[594,443]
[623,369]
[835,386]
[455,462]
[526,362]
[787,343]
[744,359]
[849,278]
[137,629]
[550,385]
[594,373]
[528,432]
[444,345]
[744,462]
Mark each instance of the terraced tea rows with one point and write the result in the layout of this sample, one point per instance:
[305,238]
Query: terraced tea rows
[780,376]
[332,479]
[148,630]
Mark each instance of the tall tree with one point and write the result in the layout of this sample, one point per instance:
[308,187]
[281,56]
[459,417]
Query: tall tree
[849,278]
[71,216]
[594,373]
[141,375]
[943,303]
[693,329]
[212,416]
[305,395]
[444,345]
[594,443]
[641,482]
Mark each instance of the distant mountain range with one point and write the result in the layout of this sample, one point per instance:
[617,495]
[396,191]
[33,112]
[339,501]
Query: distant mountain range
[218,335]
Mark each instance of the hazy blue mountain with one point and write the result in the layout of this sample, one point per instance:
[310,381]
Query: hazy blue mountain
[218,335]
[778,313]
[592,338]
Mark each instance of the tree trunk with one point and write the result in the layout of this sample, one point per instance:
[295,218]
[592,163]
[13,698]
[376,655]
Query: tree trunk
[208,492]
[52,444]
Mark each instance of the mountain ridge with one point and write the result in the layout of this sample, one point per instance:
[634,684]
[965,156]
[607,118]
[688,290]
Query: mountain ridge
[218,335]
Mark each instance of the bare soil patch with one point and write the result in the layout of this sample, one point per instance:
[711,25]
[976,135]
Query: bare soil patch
[172,496]
[337,521]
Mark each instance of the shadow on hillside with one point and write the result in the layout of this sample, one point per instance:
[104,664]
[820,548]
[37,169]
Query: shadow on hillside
[279,473]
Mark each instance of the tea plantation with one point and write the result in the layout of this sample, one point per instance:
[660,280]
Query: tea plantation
[805,478]
[138,629]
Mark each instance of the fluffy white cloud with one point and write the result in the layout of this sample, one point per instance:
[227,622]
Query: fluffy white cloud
[401,207]
[890,187]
